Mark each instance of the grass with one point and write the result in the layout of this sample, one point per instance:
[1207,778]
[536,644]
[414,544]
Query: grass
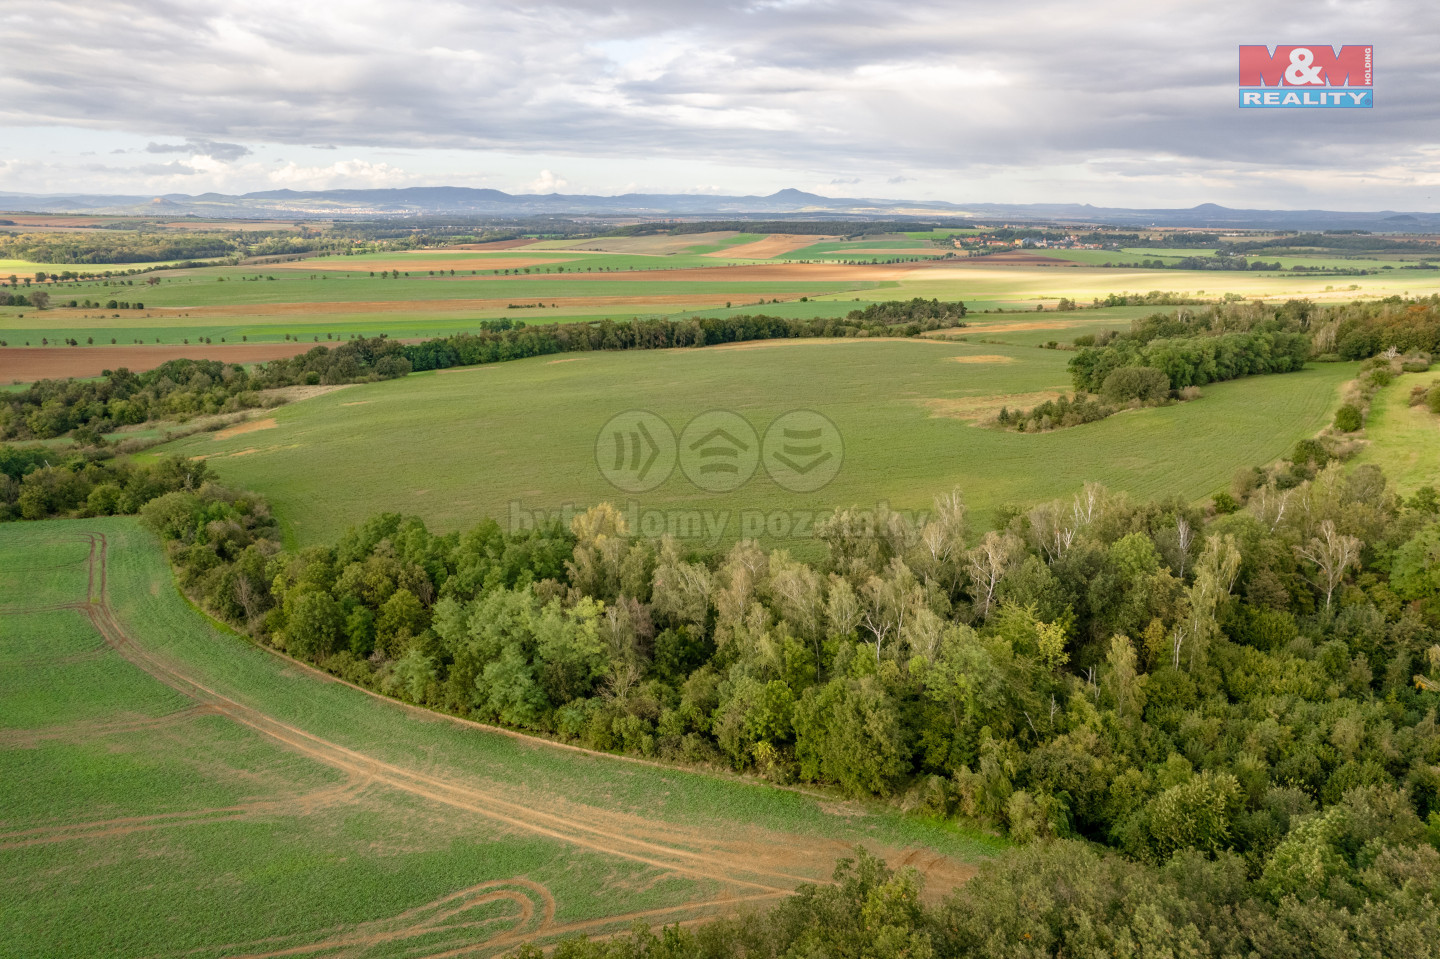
[515,438]
[1404,439]
[145,826]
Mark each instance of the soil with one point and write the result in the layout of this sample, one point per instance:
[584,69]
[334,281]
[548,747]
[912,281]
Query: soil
[26,364]
[250,426]
[983,358]
[773,245]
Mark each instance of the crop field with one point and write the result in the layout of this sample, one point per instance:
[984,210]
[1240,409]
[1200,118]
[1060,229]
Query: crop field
[440,292]
[516,439]
[333,298]
[169,789]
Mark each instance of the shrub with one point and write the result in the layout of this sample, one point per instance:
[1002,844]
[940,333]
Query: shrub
[1348,418]
[1144,383]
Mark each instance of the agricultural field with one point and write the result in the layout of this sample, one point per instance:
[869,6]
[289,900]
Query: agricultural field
[169,789]
[436,292]
[518,439]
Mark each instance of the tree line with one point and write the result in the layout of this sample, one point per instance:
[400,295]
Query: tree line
[498,341]
[181,389]
[96,247]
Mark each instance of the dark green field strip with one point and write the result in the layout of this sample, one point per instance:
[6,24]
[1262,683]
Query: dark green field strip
[517,289]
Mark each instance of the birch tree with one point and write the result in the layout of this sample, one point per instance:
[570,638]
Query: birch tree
[1332,554]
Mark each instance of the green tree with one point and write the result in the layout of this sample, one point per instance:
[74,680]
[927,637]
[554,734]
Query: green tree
[1196,814]
[313,623]
[848,732]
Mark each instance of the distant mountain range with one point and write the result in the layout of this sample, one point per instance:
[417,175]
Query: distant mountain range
[794,204]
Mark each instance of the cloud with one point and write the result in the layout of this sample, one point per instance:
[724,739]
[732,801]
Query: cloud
[341,174]
[965,91]
[173,168]
[845,181]
[898,178]
[547,182]
[224,152]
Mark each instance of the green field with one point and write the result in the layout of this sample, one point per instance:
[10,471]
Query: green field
[167,788]
[515,438]
[1404,439]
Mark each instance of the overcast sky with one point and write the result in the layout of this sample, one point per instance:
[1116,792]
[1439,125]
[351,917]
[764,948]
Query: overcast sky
[1110,102]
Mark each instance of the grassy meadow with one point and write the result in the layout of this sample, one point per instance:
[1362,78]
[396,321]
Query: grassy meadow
[167,788]
[511,439]
[1404,440]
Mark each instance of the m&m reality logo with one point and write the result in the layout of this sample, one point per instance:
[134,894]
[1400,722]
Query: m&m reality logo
[1307,77]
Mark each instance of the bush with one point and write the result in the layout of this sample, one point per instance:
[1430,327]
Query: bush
[1348,418]
[1143,383]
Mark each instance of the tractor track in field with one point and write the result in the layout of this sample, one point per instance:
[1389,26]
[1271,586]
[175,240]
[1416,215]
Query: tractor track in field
[449,933]
[735,868]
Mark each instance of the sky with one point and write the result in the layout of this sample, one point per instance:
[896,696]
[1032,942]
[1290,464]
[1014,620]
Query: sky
[1110,102]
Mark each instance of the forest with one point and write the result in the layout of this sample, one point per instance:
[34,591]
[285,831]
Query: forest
[1224,718]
